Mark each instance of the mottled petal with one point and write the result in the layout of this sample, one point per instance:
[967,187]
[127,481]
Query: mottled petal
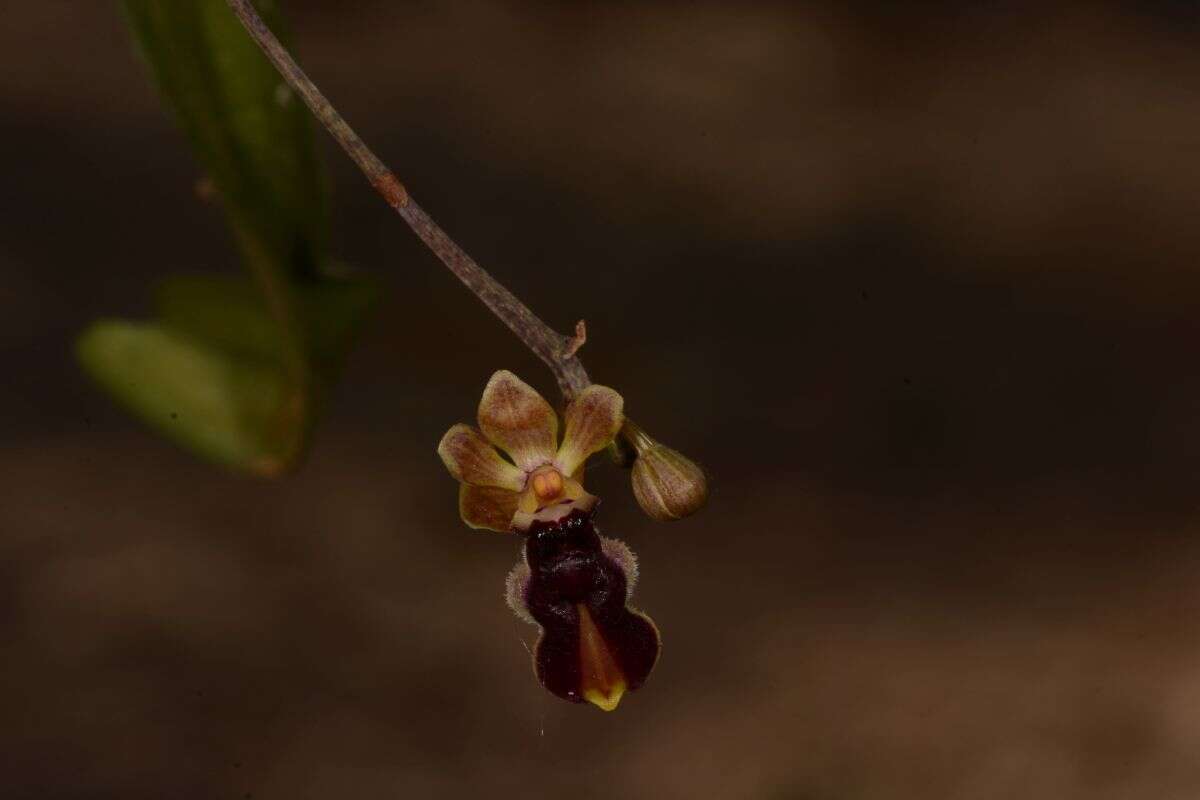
[518,420]
[593,419]
[472,459]
[487,507]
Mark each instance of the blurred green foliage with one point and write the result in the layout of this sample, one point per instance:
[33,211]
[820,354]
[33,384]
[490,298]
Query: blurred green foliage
[235,370]
[250,133]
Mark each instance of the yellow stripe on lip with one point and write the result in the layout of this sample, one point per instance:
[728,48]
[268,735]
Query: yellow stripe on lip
[601,681]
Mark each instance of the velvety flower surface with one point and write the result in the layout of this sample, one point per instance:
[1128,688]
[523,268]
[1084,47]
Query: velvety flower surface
[576,585]
[541,480]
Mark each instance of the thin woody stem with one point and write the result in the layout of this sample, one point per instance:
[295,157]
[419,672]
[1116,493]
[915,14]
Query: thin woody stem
[556,350]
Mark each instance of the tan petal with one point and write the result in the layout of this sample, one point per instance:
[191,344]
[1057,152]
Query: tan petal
[487,507]
[593,419]
[518,420]
[472,459]
[578,496]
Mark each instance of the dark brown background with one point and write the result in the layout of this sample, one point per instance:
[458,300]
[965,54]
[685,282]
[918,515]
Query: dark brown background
[920,289]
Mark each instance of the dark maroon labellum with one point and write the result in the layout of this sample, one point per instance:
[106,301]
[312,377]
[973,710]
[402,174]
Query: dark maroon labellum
[593,647]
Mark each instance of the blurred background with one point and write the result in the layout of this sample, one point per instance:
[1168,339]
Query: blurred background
[918,286]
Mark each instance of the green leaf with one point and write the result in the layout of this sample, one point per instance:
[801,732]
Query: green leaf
[230,313]
[212,373]
[252,136]
[236,411]
[235,370]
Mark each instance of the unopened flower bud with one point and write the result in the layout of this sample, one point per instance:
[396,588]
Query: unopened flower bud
[667,485]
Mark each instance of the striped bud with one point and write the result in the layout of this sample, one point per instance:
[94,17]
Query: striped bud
[668,485]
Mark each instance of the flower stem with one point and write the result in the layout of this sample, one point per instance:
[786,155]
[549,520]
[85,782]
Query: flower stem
[556,350]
